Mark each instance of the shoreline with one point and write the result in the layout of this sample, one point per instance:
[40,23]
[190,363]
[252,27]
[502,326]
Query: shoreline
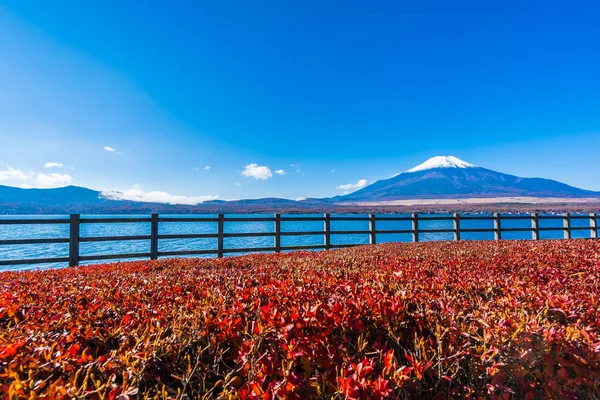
[478,200]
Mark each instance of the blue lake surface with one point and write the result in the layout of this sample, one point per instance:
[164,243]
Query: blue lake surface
[19,252]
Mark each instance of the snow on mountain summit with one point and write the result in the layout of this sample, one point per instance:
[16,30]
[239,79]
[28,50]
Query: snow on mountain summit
[442,162]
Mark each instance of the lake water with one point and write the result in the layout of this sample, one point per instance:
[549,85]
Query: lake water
[15,252]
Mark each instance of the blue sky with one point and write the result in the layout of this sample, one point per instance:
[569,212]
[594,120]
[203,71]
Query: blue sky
[331,93]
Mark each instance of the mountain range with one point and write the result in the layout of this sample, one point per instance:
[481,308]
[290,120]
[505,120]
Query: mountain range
[440,177]
[450,177]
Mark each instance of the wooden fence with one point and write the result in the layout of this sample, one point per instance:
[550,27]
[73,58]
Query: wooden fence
[75,221]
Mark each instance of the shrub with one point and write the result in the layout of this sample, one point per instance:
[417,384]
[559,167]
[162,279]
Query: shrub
[427,320]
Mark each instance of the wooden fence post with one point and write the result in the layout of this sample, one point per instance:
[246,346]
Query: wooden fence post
[594,225]
[327,231]
[277,233]
[372,229]
[415,227]
[220,235]
[535,226]
[74,240]
[456,226]
[497,227]
[154,237]
[567,225]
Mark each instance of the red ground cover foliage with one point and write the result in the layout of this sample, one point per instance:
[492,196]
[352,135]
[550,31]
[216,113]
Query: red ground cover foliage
[429,320]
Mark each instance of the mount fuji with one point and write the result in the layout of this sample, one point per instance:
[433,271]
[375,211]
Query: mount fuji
[450,177]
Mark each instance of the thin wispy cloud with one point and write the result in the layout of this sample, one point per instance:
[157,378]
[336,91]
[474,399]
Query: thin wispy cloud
[111,150]
[259,172]
[296,167]
[53,165]
[280,172]
[348,187]
[137,194]
[207,168]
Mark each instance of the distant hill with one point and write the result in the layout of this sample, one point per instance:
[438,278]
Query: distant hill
[442,177]
[47,200]
[45,197]
[450,177]
[74,199]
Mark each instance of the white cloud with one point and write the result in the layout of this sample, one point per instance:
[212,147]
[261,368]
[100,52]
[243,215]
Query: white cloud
[53,165]
[137,194]
[300,198]
[237,184]
[50,180]
[257,171]
[13,174]
[353,186]
[53,180]
[280,172]
[207,168]
[107,148]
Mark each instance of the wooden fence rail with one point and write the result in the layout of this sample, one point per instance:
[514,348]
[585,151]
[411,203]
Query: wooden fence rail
[75,221]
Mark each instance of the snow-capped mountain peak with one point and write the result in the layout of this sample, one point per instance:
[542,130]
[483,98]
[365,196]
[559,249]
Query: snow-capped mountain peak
[442,162]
